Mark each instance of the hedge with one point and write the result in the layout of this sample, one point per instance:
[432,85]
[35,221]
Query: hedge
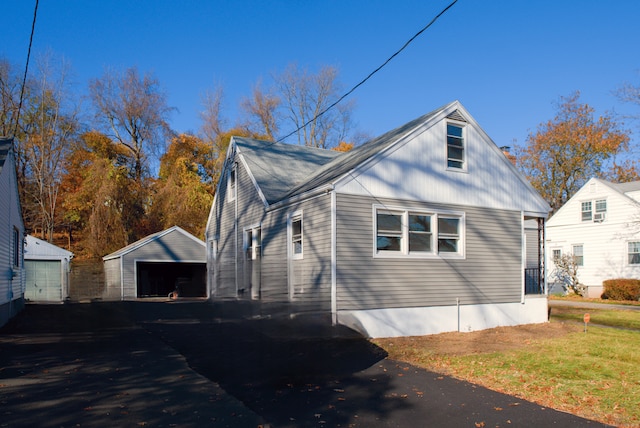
[621,289]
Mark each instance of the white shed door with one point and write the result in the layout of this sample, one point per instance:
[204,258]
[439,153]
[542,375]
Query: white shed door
[44,280]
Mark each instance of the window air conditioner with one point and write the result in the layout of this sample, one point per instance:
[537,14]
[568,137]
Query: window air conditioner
[599,217]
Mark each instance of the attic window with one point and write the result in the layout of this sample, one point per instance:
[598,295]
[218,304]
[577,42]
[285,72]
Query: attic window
[455,146]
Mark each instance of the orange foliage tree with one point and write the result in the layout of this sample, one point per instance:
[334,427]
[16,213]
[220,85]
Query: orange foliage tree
[569,149]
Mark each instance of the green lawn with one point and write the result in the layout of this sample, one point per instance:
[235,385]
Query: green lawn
[594,374]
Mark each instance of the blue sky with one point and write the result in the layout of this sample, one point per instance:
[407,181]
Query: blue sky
[507,61]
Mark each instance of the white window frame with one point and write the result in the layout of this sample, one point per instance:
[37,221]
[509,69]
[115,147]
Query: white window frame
[294,216]
[575,257]
[252,249]
[17,247]
[629,252]
[463,127]
[404,252]
[583,211]
[553,256]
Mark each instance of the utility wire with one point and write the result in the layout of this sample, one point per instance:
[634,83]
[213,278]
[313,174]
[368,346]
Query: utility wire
[26,69]
[370,74]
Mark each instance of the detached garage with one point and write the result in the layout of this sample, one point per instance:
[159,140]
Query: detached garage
[157,265]
[47,271]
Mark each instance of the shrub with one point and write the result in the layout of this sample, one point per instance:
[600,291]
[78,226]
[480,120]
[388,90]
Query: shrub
[621,289]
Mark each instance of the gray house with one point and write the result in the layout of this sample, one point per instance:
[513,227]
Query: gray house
[418,231]
[47,269]
[156,265]
[11,236]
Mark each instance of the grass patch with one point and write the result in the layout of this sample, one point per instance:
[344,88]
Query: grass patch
[612,318]
[576,298]
[594,375]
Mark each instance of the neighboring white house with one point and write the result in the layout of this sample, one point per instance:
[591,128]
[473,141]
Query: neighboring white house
[47,271]
[600,227]
[422,230]
[11,236]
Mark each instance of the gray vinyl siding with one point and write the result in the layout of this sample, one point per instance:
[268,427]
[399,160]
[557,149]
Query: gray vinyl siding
[311,275]
[532,248]
[490,273]
[174,246]
[113,283]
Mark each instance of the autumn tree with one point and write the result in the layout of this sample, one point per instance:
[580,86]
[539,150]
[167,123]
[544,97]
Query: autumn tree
[305,99]
[262,112]
[96,195]
[184,193]
[9,98]
[569,149]
[49,122]
[132,110]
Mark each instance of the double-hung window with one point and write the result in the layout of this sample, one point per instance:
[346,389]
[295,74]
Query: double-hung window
[455,146]
[415,233]
[296,238]
[634,253]
[587,212]
[578,255]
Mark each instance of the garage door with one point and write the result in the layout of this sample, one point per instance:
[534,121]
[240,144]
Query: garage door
[44,280]
[161,278]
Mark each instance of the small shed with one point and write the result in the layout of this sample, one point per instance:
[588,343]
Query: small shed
[156,266]
[47,270]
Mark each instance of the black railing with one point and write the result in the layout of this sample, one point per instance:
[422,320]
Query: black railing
[532,281]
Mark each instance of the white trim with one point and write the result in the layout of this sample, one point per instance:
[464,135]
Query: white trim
[465,157]
[334,259]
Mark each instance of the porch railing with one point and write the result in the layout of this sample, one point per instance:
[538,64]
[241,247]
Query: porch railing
[532,281]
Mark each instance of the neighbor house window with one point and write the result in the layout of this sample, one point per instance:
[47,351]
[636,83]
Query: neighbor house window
[601,210]
[578,255]
[17,246]
[557,253]
[413,233]
[586,211]
[634,253]
[455,146]
[296,237]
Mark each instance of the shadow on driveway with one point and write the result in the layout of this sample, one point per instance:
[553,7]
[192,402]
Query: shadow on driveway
[201,364]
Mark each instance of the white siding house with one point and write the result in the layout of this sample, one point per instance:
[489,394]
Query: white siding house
[418,231]
[46,271]
[11,236]
[600,226]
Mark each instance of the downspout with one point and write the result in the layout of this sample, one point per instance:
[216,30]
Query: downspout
[235,223]
[334,259]
[523,258]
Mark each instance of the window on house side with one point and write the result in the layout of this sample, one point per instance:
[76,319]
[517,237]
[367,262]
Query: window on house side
[634,253]
[556,255]
[389,234]
[578,255]
[448,234]
[17,246]
[586,211]
[420,235]
[601,206]
[296,236]
[455,146]
[231,184]
[411,233]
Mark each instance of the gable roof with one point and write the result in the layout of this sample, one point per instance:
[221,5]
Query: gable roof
[148,239]
[632,186]
[283,171]
[39,249]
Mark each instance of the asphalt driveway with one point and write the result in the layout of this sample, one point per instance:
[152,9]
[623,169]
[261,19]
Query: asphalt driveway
[193,364]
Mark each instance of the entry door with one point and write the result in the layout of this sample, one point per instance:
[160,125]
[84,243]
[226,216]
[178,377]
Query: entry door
[253,246]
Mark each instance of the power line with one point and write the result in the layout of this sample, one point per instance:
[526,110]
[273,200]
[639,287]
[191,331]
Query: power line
[372,73]
[26,69]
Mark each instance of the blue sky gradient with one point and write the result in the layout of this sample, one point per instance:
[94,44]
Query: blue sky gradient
[507,61]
